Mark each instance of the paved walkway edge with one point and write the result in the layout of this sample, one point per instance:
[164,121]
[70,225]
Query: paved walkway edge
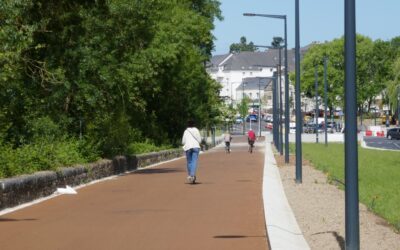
[283,230]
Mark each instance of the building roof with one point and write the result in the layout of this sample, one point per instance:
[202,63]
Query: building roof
[247,60]
[251,83]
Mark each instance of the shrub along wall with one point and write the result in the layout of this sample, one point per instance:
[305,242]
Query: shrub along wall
[21,189]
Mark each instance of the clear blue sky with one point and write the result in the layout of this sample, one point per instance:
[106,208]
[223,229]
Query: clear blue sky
[320,20]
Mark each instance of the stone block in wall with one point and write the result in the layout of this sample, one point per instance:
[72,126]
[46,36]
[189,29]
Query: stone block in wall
[72,176]
[120,164]
[99,169]
[18,190]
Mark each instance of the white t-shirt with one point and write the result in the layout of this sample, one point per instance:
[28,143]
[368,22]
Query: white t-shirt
[227,137]
[191,138]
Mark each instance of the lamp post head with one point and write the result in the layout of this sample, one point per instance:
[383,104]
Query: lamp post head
[266,15]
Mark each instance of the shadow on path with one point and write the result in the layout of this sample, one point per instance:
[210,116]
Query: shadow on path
[235,236]
[339,238]
[15,220]
[157,171]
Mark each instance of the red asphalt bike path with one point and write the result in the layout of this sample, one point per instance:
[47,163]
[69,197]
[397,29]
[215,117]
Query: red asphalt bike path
[154,208]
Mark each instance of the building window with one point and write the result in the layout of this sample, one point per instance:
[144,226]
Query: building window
[258,95]
[251,73]
[250,95]
[243,73]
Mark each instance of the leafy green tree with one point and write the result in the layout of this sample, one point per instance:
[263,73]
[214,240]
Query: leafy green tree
[243,109]
[115,71]
[242,46]
[374,60]
[393,86]
[314,60]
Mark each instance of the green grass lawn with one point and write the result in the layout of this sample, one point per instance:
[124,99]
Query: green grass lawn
[378,174]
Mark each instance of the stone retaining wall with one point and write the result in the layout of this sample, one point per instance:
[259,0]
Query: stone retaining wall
[22,189]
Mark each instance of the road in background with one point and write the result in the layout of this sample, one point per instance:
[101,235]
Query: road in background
[382,143]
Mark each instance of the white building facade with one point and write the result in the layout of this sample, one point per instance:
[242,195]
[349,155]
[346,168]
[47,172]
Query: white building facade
[240,74]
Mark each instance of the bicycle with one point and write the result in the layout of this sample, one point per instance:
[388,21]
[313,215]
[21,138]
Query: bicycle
[251,146]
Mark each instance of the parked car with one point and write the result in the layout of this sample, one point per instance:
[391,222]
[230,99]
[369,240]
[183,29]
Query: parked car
[269,125]
[393,133]
[312,128]
[268,118]
[252,118]
[239,120]
[331,127]
[309,128]
[292,127]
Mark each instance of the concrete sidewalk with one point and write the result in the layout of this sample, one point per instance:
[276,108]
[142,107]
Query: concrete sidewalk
[283,231]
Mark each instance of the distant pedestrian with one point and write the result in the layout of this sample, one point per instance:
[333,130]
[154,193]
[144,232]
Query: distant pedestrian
[191,145]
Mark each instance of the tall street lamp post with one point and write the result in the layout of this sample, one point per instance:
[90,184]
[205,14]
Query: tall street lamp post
[276,44]
[274,111]
[243,103]
[299,116]
[351,147]
[286,81]
[326,102]
[398,106]
[259,106]
[316,104]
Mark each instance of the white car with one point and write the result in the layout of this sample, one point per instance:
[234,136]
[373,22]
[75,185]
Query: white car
[292,127]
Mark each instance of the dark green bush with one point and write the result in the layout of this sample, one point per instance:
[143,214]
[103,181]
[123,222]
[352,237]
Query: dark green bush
[145,147]
[39,157]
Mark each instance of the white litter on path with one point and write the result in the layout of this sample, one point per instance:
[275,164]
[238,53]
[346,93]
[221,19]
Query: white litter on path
[66,190]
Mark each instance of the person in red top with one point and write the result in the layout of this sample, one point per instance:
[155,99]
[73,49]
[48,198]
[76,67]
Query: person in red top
[251,137]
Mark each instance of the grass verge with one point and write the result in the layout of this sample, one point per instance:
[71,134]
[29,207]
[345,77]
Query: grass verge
[379,176]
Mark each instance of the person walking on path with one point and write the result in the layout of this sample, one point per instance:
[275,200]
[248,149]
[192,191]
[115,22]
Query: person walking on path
[191,145]
[227,139]
[251,138]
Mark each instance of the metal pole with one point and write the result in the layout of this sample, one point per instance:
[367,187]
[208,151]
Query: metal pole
[243,103]
[274,115]
[299,117]
[280,105]
[351,149]
[259,108]
[273,112]
[316,104]
[287,114]
[398,106]
[231,96]
[326,101]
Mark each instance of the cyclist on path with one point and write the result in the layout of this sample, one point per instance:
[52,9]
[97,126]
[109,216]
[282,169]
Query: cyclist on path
[251,137]
[227,139]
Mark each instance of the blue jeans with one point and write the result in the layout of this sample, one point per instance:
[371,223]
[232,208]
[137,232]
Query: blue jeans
[192,155]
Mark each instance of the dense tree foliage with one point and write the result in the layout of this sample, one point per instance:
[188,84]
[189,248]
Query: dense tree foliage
[242,46]
[376,70]
[114,72]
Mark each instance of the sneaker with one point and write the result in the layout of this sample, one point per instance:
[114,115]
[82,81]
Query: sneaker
[189,179]
[193,179]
